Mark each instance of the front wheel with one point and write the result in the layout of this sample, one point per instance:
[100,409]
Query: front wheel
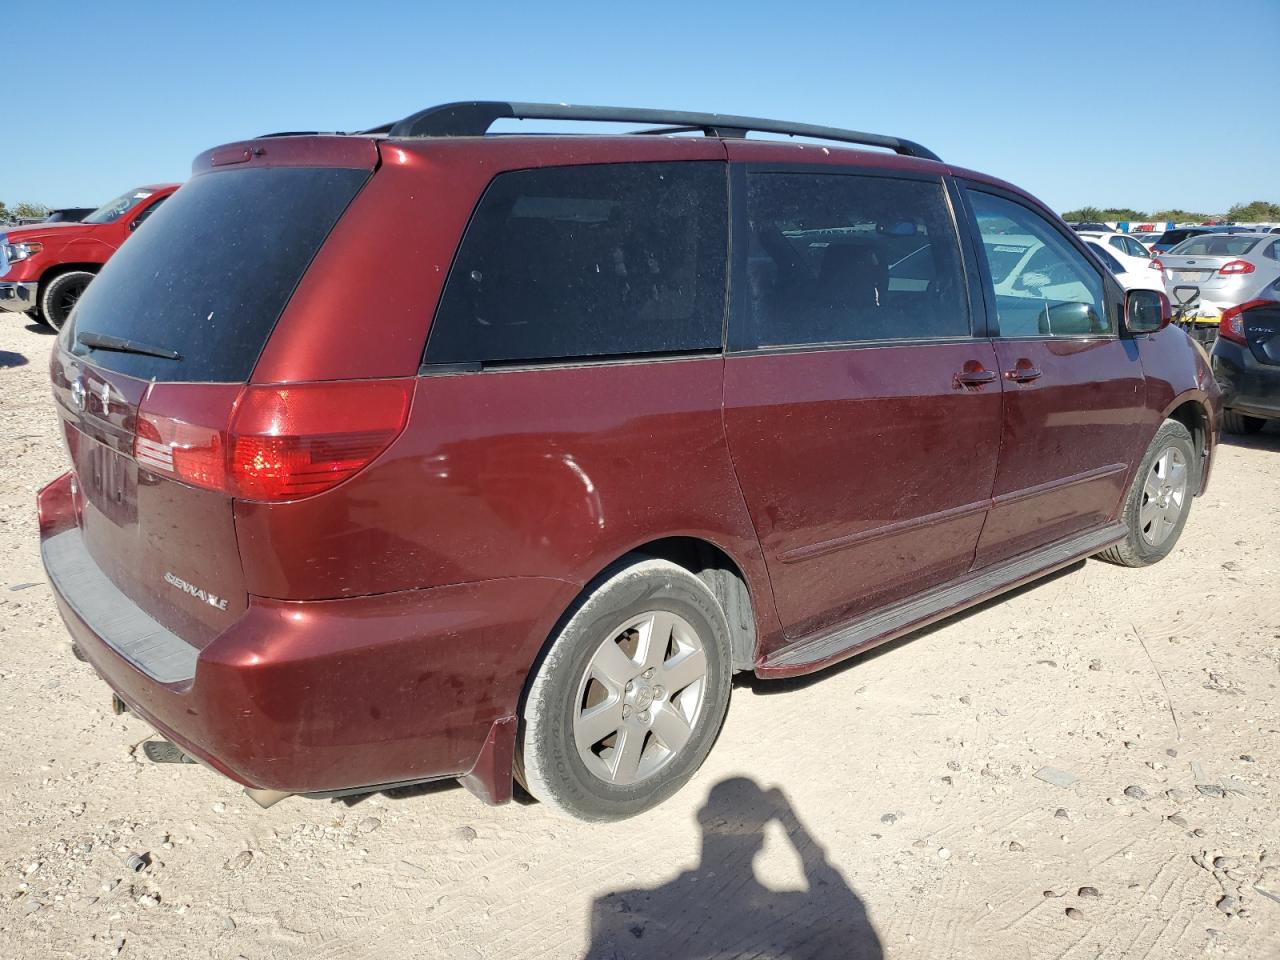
[628,700]
[60,296]
[1233,422]
[1159,499]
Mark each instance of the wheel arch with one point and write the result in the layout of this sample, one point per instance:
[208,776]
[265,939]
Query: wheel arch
[715,567]
[58,269]
[1192,411]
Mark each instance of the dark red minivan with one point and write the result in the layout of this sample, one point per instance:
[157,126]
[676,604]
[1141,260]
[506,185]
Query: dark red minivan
[428,452]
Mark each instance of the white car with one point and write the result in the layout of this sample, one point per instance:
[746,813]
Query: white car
[1131,277]
[1133,255]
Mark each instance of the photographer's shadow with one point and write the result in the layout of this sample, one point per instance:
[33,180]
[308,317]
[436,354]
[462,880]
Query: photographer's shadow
[720,908]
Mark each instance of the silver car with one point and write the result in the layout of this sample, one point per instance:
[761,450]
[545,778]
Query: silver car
[1225,269]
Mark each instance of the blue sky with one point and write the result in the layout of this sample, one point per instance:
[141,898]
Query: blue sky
[1087,102]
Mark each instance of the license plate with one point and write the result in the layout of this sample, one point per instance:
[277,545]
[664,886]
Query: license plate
[1189,274]
[108,479]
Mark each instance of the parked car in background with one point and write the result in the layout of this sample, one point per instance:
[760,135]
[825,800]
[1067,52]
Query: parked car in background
[532,527]
[1226,269]
[1148,240]
[45,267]
[1131,276]
[68,215]
[1088,225]
[1171,238]
[1246,362]
[1132,254]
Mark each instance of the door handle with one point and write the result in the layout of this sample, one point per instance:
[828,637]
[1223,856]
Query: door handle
[975,378]
[1024,372]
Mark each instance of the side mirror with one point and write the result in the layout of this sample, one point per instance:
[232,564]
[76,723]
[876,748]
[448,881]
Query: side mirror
[1146,311]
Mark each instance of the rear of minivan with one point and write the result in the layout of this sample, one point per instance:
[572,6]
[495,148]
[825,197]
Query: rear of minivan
[219,386]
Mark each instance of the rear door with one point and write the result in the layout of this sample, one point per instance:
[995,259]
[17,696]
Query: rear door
[169,332]
[862,412]
[1074,393]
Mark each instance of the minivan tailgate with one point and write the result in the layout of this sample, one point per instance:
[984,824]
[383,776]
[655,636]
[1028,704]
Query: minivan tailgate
[168,547]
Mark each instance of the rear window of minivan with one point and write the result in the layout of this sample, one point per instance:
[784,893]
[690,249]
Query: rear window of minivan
[212,272]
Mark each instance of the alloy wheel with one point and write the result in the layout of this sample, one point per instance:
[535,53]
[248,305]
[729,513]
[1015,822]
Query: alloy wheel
[640,698]
[1163,496]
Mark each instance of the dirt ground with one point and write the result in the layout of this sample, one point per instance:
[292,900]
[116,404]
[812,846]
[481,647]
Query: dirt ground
[888,808]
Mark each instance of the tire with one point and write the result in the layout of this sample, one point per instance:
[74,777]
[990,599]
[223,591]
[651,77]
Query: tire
[1152,531]
[58,296]
[1233,422]
[586,770]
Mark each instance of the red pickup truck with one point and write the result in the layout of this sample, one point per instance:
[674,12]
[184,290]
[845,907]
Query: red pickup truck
[45,267]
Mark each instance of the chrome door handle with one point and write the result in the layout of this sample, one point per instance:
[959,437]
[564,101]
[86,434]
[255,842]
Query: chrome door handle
[1021,374]
[975,378]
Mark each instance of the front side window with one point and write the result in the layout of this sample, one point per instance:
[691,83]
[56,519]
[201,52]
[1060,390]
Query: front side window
[600,260]
[837,258]
[141,218]
[1043,285]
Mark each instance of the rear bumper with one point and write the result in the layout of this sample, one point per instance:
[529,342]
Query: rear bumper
[1248,387]
[18,296]
[332,695]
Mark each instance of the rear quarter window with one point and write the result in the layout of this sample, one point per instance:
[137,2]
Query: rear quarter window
[598,260]
[212,271]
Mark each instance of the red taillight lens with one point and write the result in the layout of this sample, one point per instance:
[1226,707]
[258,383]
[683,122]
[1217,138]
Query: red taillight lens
[1233,267]
[1157,264]
[298,440]
[1231,326]
[284,442]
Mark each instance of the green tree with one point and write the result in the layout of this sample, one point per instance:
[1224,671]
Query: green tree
[1256,210]
[26,209]
[4,212]
[1084,213]
[1179,216]
[1122,213]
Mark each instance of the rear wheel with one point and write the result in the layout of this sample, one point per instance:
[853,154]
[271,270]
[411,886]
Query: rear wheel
[1233,422]
[59,296]
[628,700]
[1159,499]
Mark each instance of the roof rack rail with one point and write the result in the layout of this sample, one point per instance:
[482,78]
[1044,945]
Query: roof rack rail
[473,118]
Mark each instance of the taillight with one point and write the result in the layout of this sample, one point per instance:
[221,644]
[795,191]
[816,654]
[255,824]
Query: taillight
[1157,264]
[1233,267]
[283,442]
[1231,326]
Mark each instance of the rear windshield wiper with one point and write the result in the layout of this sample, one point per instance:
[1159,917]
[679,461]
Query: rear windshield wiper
[105,341]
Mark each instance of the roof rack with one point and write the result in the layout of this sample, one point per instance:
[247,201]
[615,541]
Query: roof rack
[473,118]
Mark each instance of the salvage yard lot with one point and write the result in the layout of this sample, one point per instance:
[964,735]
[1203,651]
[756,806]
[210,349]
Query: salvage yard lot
[891,806]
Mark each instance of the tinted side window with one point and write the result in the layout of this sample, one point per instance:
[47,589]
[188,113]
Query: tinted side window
[1044,286]
[1135,249]
[141,218]
[1110,262]
[588,261]
[834,258]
